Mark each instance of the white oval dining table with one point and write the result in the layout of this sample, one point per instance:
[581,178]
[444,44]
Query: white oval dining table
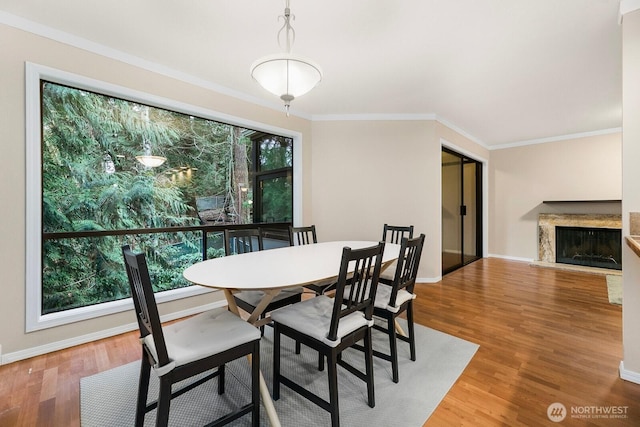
[271,271]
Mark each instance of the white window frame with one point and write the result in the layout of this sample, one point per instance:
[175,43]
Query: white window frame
[35,320]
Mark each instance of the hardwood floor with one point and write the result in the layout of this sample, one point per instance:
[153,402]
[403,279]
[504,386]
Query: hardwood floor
[545,336]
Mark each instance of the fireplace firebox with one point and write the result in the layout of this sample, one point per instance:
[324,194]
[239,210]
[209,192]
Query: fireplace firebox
[592,247]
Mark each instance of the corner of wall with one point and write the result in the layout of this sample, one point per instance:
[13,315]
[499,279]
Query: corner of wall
[627,375]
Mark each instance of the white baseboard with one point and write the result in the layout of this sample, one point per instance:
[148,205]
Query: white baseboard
[83,339]
[627,375]
[511,258]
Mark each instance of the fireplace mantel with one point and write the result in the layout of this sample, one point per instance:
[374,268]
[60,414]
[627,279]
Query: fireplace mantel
[547,229]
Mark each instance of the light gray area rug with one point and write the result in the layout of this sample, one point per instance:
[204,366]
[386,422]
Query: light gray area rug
[108,398]
[614,289]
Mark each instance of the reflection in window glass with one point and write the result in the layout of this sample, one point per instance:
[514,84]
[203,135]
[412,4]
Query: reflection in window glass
[275,152]
[276,199]
[96,176]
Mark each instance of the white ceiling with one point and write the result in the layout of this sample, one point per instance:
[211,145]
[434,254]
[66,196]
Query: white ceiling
[502,71]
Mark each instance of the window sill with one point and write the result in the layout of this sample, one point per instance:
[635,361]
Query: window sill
[89,312]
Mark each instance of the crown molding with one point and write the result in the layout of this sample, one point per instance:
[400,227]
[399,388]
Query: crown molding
[462,132]
[398,117]
[627,6]
[102,50]
[556,138]
[105,51]
[17,22]
[371,117]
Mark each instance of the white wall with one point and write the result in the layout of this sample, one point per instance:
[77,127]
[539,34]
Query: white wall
[630,368]
[521,178]
[367,173]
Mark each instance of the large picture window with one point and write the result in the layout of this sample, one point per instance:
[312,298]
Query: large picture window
[118,167]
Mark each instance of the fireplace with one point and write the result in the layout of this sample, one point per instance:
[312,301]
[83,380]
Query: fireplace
[591,247]
[578,250]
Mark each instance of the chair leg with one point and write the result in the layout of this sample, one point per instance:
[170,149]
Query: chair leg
[143,390]
[332,371]
[368,345]
[164,402]
[298,347]
[276,362]
[320,362]
[255,385]
[221,378]
[411,331]
[393,347]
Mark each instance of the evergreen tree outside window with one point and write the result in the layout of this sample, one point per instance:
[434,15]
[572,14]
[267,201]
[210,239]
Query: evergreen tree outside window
[273,178]
[91,181]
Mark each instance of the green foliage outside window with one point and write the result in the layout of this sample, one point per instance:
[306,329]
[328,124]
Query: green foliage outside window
[91,180]
[276,199]
[275,153]
[274,179]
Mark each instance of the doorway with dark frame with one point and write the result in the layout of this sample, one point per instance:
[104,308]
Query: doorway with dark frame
[461,210]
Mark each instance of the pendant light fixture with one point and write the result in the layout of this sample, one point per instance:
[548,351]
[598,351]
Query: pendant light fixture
[284,74]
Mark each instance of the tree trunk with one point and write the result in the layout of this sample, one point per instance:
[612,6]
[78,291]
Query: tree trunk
[240,177]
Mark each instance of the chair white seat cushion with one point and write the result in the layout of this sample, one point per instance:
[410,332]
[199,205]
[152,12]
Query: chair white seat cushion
[202,335]
[254,297]
[389,273]
[312,317]
[383,293]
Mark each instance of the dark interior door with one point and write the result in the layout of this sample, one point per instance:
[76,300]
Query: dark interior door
[461,210]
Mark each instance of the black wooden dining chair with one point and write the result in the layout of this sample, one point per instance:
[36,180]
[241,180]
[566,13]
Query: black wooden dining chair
[244,240]
[302,235]
[394,234]
[306,236]
[330,325]
[187,348]
[397,298]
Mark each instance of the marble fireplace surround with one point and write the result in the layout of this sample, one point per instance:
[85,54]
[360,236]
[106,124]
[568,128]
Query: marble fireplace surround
[547,229]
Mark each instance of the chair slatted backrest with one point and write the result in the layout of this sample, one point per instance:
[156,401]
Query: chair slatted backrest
[242,240]
[302,235]
[407,267]
[395,233]
[144,301]
[362,282]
